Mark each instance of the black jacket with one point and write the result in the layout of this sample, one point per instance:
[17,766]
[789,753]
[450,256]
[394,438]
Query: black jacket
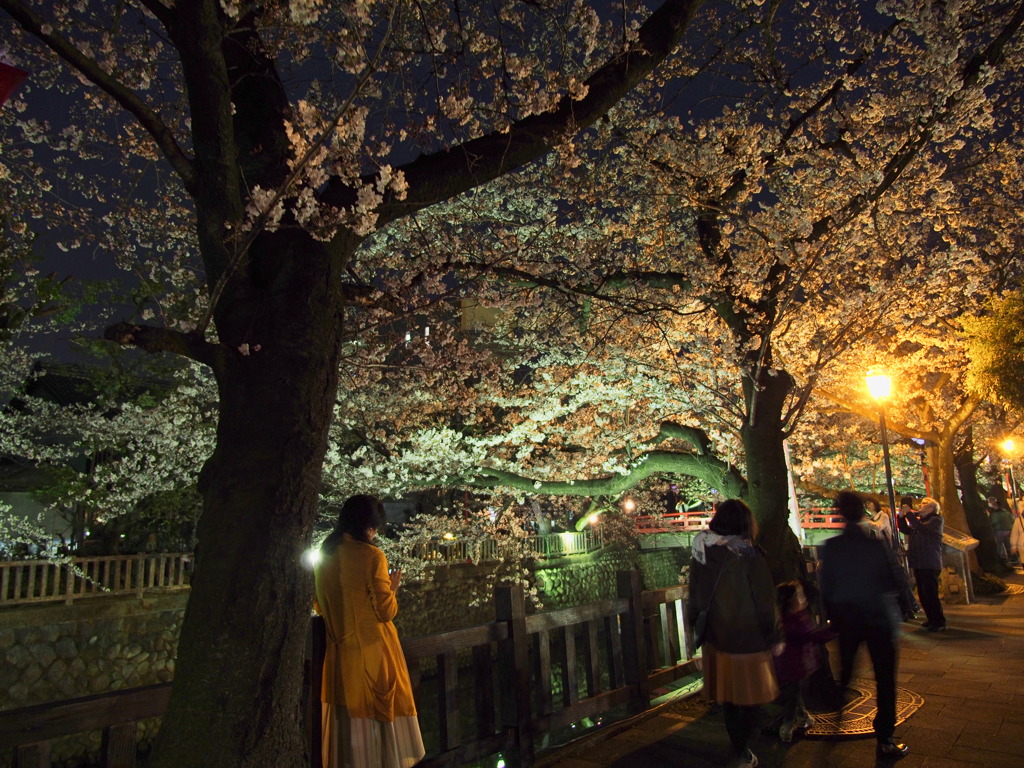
[924,540]
[858,576]
[742,618]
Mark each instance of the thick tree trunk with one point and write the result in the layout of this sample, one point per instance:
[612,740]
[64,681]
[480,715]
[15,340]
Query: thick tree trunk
[974,510]
[944,490]
[236,700]
[767,476]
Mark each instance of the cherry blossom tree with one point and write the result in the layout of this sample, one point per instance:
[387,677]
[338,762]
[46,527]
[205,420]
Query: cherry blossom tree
[844,154]
[262,143]
[265,151]
[931,403]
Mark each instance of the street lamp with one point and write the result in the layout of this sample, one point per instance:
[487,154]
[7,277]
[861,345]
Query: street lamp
[1008,448]
[880,387]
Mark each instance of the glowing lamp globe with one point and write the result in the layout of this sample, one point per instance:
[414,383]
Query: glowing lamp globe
[879,385]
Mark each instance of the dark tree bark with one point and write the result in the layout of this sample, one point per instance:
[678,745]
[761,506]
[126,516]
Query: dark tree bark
[763,435]
[238,679]
[974,508]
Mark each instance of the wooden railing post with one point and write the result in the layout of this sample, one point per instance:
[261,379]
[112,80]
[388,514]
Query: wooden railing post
[514,671]
[69,594]
[32,755]
[634,645]
[316,650]
[119,745]
[140,575]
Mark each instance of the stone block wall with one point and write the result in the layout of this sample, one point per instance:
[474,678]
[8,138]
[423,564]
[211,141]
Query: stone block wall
[55,652]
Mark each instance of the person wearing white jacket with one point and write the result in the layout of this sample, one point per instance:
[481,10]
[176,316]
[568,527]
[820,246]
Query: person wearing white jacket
[1017,539]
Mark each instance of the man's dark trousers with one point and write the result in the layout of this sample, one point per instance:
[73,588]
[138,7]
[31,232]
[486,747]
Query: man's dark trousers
[928,591]
[882,648]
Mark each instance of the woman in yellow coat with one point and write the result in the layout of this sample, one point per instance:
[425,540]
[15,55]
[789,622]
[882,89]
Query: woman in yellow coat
[369,716]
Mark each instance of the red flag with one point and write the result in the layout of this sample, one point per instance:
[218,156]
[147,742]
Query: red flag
[10,78]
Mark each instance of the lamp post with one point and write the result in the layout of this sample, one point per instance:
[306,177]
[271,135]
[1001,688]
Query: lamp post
[880,387]
[1008,447]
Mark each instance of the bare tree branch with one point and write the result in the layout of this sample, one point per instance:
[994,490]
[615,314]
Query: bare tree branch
[157,339]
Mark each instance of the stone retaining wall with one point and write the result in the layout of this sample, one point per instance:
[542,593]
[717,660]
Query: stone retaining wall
[56,652]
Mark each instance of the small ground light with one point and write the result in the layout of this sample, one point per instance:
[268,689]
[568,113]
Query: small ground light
[311,557]
[448,536]
[593,519]
[629,505]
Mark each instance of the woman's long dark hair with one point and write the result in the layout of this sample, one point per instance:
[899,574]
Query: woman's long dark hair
[358,514]
[734,518]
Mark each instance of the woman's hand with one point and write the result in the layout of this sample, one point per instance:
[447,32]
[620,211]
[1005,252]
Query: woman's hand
[396,579]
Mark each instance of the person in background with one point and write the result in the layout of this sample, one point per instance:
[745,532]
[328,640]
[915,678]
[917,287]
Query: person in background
[877,518]
[800,657]
[1002,523]
[924,553]
[729,576]
[369,715]
[859,587]
[1017,538]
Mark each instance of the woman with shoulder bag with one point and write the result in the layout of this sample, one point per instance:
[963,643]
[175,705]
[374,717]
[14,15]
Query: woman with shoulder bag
[730,581]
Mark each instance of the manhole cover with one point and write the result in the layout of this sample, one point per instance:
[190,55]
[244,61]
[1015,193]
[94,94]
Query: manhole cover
[856,719]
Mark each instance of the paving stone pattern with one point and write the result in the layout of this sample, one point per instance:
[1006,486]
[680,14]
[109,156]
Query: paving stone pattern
[969,679]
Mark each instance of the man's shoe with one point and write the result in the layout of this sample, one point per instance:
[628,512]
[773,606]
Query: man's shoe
[892,748]
[936,627]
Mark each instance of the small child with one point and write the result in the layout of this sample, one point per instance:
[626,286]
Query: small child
[799,658]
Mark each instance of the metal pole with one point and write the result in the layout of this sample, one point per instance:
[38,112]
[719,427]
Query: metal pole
[924,472]
[896,543]
[1013,490]
[888,466]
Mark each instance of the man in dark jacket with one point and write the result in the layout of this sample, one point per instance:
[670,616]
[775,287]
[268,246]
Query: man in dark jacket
[859,585]
[924,554]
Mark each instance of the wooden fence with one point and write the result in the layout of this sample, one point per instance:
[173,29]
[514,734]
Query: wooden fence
[35,581]
[40,581]
[546,546]
[493,688]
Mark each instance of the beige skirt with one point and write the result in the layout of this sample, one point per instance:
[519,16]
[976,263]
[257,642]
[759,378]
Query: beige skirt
[739,678]
[358,742]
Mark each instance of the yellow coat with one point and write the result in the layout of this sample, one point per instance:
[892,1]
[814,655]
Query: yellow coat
[364,669]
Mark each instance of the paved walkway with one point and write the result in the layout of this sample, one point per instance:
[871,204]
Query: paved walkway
[971,680]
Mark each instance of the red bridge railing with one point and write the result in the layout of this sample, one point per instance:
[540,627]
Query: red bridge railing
[687,522]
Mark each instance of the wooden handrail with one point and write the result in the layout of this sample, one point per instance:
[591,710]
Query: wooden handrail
[40,581]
